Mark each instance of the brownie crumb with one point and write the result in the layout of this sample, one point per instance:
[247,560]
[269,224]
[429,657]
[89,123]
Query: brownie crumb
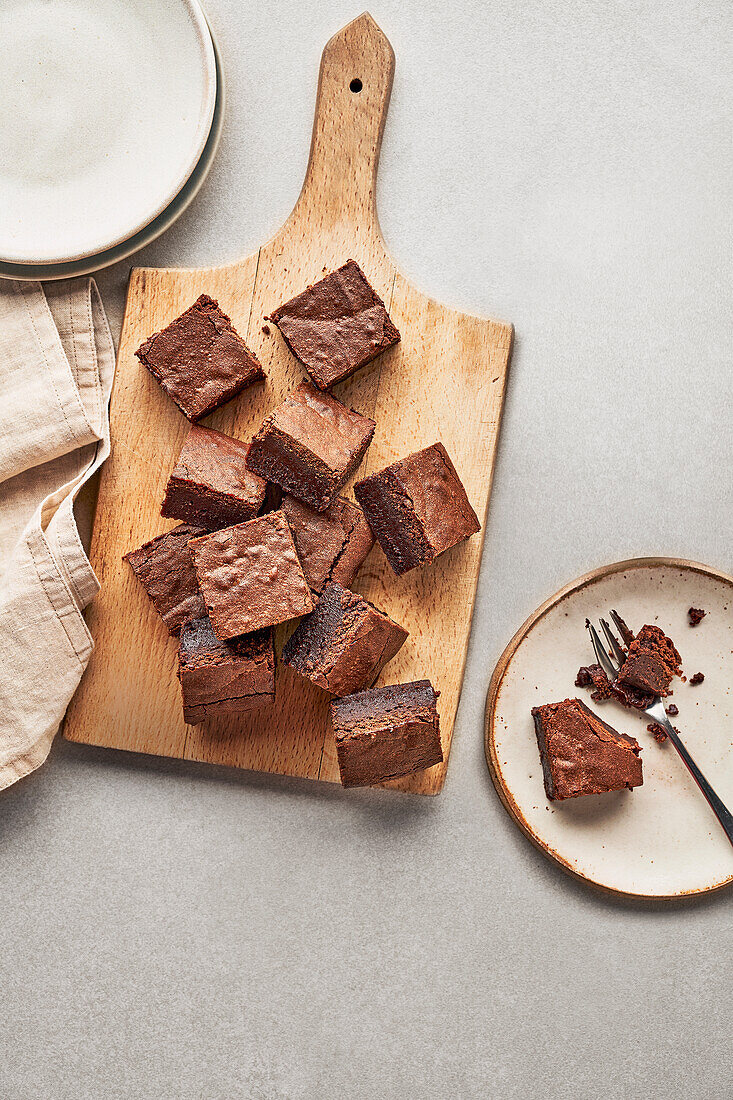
[696,615]
[266,330]
[673,710]
[660,734]
[697,678]
[594,676]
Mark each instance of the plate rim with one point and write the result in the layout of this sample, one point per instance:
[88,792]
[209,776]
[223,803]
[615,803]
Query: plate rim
[209,68]
[497,677]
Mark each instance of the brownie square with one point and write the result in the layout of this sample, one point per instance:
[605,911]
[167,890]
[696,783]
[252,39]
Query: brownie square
[224,677]
[210,484]
[250,576]
[581,754]
[343,644]
[651,662]
[386,733]
[336,326]
[331,545]
[200,360]
[417,508]
[164,567]
[310,445]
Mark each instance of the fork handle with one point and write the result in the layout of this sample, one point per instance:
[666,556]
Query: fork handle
[719,808]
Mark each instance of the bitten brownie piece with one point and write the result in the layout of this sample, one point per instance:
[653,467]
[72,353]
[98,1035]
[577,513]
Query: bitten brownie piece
[580,754]
[417,508]
[200,360]
[651,663]
[386,732]
[164,567]
[250,576]
[594,677]
[310,445]
[343,645]
[331,545]
[221,677]
[210,484]
[336,326]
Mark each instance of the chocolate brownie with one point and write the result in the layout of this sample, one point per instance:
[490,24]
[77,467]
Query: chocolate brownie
[344,643]
[385,733]
[250,576]
[336,326]
[417,508]
[651,662]
[331,545]
[224,677]
[210,484]
[310,445]
[581,754]
[594,677]
[696,615]
[164,567]
[200,360]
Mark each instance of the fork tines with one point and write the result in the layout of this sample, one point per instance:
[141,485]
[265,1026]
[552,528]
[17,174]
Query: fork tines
[605,658]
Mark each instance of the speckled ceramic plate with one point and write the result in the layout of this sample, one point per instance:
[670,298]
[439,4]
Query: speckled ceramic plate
[660,840]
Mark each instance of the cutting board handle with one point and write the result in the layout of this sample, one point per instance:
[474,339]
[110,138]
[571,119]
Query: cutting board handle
[354,85]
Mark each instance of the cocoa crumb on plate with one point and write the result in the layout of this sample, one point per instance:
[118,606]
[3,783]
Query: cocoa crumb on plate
[660,734]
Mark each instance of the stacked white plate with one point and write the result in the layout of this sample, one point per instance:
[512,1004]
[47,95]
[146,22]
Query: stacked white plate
[112,116]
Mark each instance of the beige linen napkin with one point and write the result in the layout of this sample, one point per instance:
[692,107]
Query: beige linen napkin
[56,367]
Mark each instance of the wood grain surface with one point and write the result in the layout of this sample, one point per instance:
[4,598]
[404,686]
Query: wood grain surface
[444,381]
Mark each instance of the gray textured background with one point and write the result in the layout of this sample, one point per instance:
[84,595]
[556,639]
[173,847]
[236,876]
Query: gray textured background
[175,931]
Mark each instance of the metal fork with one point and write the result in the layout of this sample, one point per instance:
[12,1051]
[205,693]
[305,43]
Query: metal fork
[611,665]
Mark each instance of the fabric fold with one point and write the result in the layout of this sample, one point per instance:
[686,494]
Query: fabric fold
[56,370]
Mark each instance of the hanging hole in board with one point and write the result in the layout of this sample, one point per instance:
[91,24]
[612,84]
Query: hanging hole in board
[356,85]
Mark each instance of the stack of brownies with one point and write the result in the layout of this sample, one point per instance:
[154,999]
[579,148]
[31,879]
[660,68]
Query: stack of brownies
[265,537]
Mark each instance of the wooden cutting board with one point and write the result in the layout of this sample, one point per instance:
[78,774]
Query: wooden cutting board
[444,381]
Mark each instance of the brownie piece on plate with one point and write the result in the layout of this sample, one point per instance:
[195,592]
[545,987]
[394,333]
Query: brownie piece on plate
[164,567]
[250,576]
[651,662]
[417,508]
[343,645]
[210,484]
[310,445]
[224,677]
[581,754]
[336,326]
[331,545]
[200,360]
[387,732]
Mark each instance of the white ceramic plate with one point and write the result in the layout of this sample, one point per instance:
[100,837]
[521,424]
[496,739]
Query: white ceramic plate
[660,840]
[33,272]
[107,109]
